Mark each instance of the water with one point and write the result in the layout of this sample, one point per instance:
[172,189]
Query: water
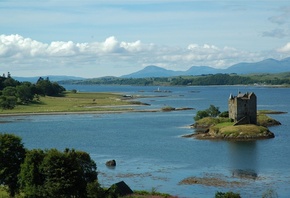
[148,147]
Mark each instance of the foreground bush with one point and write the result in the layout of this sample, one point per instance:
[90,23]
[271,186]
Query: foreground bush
[53,173]
[12,154]
[227,195]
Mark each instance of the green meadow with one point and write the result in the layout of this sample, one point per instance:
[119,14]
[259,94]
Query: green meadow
[73,102]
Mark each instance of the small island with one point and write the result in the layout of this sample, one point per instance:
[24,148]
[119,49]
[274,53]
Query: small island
[242,122]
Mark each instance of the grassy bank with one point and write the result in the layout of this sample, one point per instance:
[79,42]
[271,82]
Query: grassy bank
[223,128]
[247,131]
[73,102]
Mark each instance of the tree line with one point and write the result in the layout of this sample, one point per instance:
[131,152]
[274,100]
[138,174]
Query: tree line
[207,79]
[40,173]
[13,92]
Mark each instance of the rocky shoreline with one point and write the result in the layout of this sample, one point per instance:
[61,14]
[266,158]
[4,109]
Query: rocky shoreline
[237,136]
[246,132]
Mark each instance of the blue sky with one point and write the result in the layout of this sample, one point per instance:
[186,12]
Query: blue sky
[115,37]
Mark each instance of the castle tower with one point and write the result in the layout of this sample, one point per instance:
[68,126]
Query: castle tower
[243,108]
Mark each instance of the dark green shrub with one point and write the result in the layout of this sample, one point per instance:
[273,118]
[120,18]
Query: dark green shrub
[212,111]
[224,114]
[94,190]
[227,195]
[200,115]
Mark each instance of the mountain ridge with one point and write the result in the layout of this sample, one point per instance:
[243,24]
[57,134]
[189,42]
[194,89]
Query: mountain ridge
[265,66]
[269,65]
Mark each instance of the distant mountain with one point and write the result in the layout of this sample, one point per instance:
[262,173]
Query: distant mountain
[51,78]
[265,66]
[199,70]
[152,71]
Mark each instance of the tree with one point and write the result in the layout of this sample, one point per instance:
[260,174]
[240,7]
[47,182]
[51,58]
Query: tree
[42,86]
[31,178]
[8,102]
[67,173]
[12,154]
[87,169]
[8,99]
[9,81]
[213,111]
[9,91]
[61,173]
[200,115]
[52,173]
[45,87]
[56,89]
[24,93]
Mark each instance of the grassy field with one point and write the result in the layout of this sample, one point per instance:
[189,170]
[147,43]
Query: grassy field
[73,102]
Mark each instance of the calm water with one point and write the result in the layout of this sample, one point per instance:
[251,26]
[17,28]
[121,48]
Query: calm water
[149,151]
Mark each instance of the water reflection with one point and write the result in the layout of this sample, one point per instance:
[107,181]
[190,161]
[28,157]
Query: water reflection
[243,159]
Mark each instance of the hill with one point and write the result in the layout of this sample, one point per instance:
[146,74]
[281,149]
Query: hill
[265,66]
[152,71]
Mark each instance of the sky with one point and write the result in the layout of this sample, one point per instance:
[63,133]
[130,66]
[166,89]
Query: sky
[92,38]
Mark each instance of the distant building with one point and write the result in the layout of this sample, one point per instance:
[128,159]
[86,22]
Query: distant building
[243,108]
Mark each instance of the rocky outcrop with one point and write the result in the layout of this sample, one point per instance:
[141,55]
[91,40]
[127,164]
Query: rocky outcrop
[240,132]
[111,163]
[218,128]
[231,132]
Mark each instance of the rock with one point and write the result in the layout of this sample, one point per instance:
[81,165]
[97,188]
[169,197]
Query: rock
[245,174]
[111,163]
[184,109]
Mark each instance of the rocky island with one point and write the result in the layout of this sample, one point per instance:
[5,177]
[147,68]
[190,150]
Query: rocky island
[242,123]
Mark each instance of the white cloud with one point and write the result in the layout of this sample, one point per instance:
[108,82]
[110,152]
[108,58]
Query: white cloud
[112,57]
[13,45]
[285,48]
[111,45]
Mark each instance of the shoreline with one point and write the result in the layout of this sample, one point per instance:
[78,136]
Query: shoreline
[93,112]
[78,112]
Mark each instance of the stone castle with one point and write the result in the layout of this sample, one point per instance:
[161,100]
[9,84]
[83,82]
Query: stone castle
[243,108]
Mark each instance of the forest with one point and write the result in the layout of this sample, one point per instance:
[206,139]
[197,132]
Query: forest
[201,80]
